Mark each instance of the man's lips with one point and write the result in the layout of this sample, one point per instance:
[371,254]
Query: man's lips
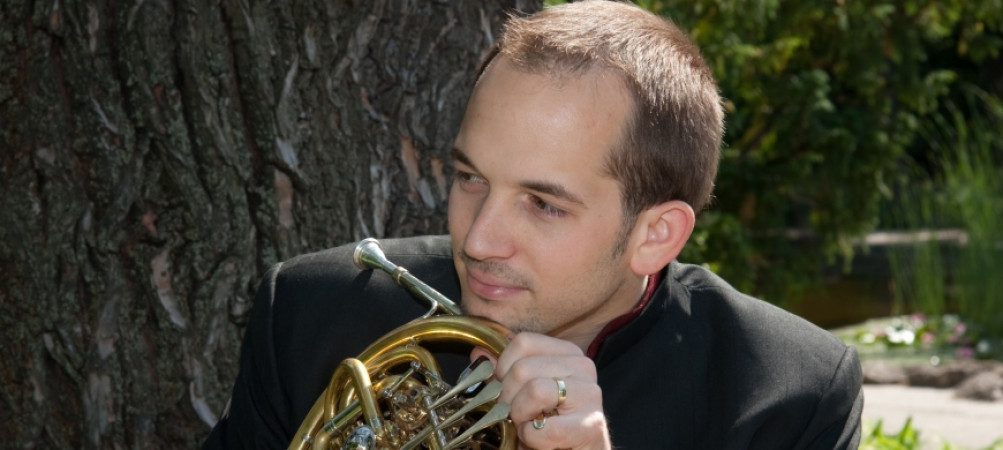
[489,287]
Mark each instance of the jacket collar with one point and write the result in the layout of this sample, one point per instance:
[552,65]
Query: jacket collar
[622,332]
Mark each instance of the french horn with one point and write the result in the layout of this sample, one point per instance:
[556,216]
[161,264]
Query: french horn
[393,396]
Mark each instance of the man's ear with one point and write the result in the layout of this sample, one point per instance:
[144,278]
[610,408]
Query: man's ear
[659,235]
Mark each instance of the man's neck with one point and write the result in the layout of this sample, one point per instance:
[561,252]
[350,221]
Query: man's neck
[588,334]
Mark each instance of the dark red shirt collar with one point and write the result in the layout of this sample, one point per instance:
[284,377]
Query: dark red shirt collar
[653,281]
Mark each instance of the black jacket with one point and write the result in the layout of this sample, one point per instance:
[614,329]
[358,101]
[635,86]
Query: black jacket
[703,366]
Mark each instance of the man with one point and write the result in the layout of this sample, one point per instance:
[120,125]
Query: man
[589,142]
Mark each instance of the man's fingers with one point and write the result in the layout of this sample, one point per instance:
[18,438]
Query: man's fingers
[526,345]
[563,431]
[542,395]
[538,373]
[553,392]
[478,352]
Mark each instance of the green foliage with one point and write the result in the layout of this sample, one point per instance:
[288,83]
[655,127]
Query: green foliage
[824,98]
[874,438]
[965,192]
[908,438]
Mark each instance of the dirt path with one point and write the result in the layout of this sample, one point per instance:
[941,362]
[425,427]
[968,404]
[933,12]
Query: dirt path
[936,413]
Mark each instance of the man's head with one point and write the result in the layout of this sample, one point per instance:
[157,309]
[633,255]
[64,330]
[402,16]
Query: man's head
[670,147]
[577,165]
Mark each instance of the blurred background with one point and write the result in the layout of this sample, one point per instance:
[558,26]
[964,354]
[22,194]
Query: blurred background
[158,157]
[863,153]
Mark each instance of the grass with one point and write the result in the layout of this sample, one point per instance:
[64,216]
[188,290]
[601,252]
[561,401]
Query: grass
[963,190]
[874,437]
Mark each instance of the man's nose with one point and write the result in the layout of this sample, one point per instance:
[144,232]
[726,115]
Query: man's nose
[490,233]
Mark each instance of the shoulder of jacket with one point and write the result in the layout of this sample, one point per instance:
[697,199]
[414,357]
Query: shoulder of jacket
[341,256]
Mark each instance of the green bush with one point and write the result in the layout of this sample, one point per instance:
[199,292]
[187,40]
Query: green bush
[824,101]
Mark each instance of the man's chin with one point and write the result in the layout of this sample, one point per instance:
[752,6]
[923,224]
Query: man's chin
[473,310]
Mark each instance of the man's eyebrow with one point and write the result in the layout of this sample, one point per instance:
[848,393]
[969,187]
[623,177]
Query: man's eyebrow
[458,155]
[553,190]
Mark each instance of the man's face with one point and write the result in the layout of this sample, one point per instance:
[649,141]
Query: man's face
[534,218]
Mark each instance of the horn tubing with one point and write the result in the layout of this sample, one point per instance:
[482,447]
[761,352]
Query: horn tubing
[350,396]
[369,255]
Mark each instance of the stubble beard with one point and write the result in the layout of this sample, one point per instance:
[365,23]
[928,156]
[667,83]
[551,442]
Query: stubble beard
[530,318]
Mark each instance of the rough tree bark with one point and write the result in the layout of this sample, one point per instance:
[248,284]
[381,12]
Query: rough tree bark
[158,156]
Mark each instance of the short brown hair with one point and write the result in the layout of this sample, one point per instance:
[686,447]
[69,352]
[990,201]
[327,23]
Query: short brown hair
[671,143]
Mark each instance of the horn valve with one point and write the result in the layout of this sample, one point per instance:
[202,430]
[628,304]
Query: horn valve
[393,395]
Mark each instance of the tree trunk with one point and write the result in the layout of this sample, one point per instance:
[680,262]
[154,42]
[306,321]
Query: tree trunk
[158,156]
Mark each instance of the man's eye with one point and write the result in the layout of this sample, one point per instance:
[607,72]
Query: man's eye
[467,177]
[547,208]
[469,182]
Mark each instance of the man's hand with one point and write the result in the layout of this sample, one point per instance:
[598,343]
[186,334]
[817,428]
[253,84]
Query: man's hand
[529,369]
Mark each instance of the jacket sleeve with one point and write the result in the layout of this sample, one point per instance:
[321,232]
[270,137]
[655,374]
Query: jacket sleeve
[836,422]
[253,418]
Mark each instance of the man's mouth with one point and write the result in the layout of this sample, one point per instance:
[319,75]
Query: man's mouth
[491,287]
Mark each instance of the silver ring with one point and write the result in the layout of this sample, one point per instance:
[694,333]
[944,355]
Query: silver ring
[562,392]
[538,423]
